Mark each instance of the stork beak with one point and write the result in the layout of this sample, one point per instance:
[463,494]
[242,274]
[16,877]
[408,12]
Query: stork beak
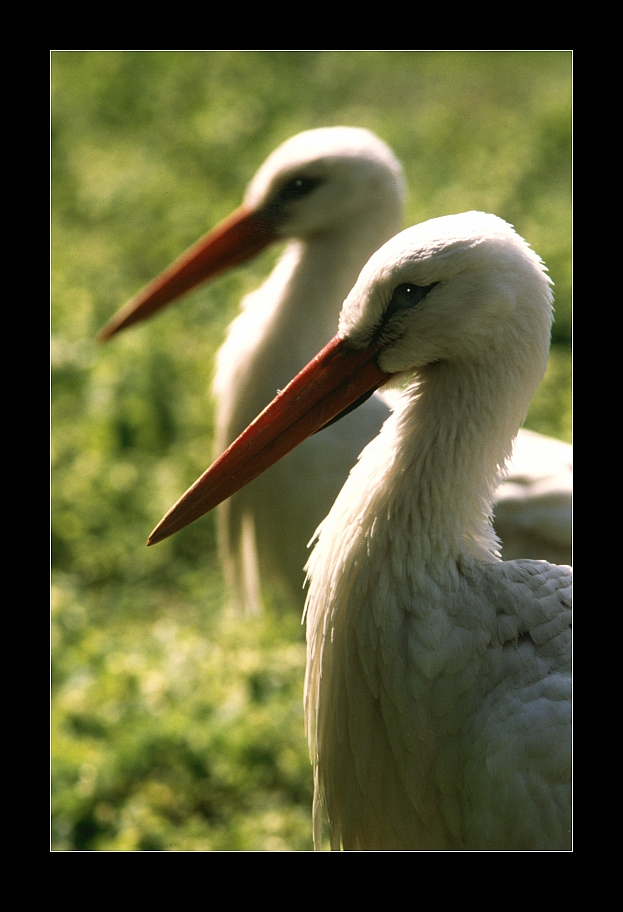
[332,381]
[237,239]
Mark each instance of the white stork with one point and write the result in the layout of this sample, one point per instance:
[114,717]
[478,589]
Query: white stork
[438,676]
[336,195]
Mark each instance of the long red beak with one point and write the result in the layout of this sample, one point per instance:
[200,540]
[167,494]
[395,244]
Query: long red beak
[238,238]
[333,380]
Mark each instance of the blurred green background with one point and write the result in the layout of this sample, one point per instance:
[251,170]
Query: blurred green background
[176,726]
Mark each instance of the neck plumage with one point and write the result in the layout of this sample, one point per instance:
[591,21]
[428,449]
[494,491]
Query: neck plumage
[291,317]
[314,276]
[422,493]
[450,447]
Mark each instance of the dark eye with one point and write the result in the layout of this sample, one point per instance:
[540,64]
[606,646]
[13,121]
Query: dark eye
[299,186]
[404,297]
[295,189]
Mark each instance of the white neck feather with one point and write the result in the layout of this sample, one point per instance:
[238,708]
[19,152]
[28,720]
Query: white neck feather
[292,316]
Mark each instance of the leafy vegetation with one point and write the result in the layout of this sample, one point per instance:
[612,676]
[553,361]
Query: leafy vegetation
[175,725]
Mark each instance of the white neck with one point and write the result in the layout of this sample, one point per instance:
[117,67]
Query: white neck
[292,316]
[423,490]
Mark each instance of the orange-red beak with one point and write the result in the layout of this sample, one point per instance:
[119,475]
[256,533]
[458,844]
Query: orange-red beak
[238,238]
[336,378]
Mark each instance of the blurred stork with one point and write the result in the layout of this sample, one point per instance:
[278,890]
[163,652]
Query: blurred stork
[336,194]
[438,676]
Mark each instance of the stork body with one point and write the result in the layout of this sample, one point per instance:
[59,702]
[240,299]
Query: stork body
[437,688]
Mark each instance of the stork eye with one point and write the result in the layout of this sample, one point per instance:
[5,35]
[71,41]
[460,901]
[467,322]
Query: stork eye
[405,297]
[295,189]
[299,186]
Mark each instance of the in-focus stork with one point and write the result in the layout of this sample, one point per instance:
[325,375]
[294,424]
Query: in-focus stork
[336,194]
[438,676]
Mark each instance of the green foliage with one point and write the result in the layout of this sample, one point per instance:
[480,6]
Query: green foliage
[176,732]
[176,726]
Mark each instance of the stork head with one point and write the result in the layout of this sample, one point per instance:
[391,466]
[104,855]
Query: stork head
[310,184]
[461,288]
[325,177]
